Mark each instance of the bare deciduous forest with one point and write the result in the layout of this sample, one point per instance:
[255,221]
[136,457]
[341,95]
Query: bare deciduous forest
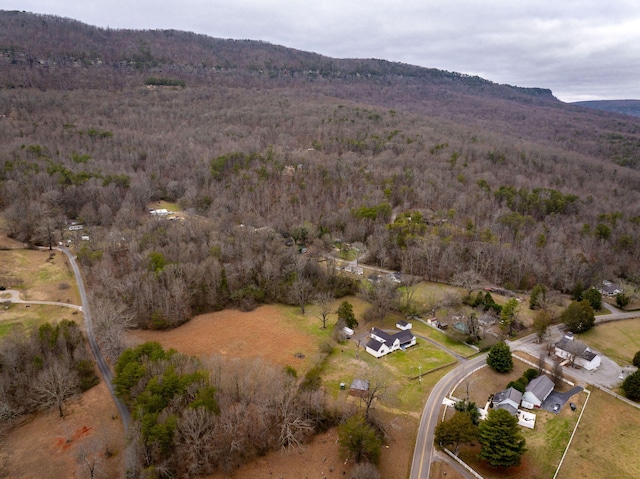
[266,150]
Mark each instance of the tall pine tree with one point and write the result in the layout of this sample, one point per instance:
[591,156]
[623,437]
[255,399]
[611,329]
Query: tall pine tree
[501,440]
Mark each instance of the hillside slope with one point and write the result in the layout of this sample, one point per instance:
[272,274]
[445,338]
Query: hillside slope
[625,107]
[530,189]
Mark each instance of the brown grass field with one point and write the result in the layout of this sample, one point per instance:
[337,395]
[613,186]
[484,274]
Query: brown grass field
[40,275]
[604,442]
[263,332]
[277,333]
[47,446]
[619,340]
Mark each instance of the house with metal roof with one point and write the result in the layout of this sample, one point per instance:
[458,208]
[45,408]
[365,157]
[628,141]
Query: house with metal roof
[359,388]
[577,353]
[536,392]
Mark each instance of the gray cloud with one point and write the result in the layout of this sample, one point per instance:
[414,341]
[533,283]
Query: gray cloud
[581,49]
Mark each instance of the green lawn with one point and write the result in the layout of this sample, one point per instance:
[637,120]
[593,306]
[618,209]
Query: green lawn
[619,340]
[23,317]
[461,348]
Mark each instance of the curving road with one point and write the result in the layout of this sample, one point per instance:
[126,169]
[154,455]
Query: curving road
[423,452]
[424,449]
[95,349]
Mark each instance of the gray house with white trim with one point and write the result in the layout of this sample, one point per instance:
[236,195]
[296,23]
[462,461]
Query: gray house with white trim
[537,391]
[578,353]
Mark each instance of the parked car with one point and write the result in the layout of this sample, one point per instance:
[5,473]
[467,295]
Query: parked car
[556,407]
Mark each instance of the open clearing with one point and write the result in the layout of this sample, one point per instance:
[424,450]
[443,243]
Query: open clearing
[234,334]
[607,441]
[45,445]
[618,340]
[40,275]
[277,333]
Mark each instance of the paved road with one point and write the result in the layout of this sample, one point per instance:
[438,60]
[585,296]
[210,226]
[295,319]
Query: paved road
[607,375]
[95,349]
[423,452]
[615,314]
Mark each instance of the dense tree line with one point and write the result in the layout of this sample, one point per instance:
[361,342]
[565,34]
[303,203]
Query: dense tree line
[108,181]
[43,368]
[418,183]
[194,418]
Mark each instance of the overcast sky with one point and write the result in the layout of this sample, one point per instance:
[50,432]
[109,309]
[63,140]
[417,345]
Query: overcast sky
[580,49]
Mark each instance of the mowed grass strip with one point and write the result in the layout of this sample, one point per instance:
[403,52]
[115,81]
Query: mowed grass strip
[619,340]
[397,372]
[606,442]
[19,316]
[462,349]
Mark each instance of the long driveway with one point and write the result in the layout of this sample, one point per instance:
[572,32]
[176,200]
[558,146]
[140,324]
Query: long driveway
[13,295]
[95,349]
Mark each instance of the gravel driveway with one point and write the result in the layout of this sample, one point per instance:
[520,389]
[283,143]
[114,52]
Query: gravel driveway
[607,375]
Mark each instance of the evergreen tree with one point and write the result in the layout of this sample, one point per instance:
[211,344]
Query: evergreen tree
[636,360]
[501,440]
[499,358]
[345,313]
[594,297]
[359,440]
[631,386]
[622,300]
[538,296]
[509,316]
[470,408]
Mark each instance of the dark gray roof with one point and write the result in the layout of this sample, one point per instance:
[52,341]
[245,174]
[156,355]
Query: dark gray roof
[383,335]
[405,336]
[374,344]
[402,322]
[511,393]
[540,387]
[578,349]
[509,407]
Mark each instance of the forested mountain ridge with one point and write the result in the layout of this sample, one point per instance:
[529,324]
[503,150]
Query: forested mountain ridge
[431,172]
[48,52]
[49,41]
[625,107]
[268,150]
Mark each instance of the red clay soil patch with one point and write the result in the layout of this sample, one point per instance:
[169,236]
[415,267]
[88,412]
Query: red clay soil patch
[262,333]
[48,446]
[320,459]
